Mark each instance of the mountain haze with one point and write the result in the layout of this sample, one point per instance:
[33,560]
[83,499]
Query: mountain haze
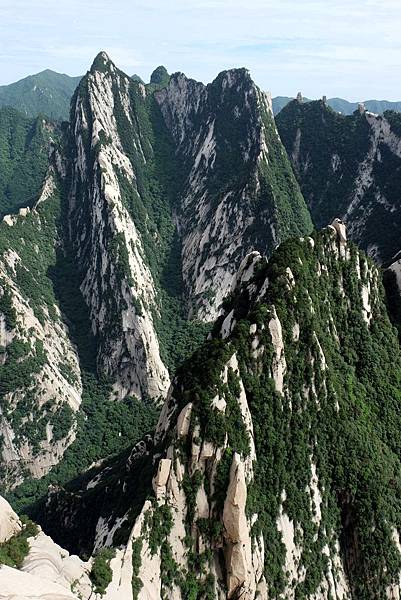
[343,106]
[47,93]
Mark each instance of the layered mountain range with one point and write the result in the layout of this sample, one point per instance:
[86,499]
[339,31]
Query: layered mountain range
[49,93]
[342,106]
[150,202]
[199,394]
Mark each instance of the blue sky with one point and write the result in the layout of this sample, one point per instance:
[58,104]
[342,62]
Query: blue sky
[341,48]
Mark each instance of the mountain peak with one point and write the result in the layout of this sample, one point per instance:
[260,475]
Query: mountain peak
[160,76]
[230,78]
[102,62]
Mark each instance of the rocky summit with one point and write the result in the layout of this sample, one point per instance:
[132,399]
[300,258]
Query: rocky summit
[200,393]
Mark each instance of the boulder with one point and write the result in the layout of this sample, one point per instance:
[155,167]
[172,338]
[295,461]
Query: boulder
[9,521]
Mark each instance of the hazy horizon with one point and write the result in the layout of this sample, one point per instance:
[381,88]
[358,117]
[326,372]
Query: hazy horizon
[344,49]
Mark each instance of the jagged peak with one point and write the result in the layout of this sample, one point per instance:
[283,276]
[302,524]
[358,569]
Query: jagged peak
[232,77]
[102,63]
[137,78]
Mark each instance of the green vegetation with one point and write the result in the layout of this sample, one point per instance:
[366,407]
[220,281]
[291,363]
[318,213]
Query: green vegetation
[343,106]
[279,187]
[157,524]
[394,118]
[343,416]
[24,147]
[50,278]
[136,565]
[46,93]
[324,134]
[6,307]
[14,550]
[105,428]
[353,446]
[151,204]
[330,153]
[160,77]
[101,573]
[191,485]
[24,357]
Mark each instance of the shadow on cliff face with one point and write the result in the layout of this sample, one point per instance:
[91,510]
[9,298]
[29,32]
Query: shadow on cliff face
[116,489]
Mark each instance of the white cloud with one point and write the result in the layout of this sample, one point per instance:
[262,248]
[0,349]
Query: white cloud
[343,47]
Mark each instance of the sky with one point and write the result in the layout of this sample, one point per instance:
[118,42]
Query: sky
[345,48]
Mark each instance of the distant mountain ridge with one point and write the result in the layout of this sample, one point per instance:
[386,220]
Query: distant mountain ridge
[48,93]
[342,106]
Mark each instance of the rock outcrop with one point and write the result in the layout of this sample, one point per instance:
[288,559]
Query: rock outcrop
[348,166]
[110,156]
[40,374]
[230,203]
[255,452]
[9,521]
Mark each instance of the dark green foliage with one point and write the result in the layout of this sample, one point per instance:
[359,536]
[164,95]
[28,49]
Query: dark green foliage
[356,448]
[136,564]
[191,486]
[63,423]
[24,147]
[160,77]
[343,106]
[101,63]
[50,277]
[119,255]
[331,155]
[201,381]
[23,360]
[158,523]
[6,306]
[13,552]
[222,479]
[393,298]
[169,569]
[278,186]
[324,134]
[101,573]
[137,78]
[394,118]
[343,416]
[105,428]
[151,206]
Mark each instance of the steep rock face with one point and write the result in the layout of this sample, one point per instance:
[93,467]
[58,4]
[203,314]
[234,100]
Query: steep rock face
[110,152]
[275,474]
[47,571]
[167,198]
[238,192]
[348,167]
[40,382]
[9,522]
[285,360]
[24,158]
